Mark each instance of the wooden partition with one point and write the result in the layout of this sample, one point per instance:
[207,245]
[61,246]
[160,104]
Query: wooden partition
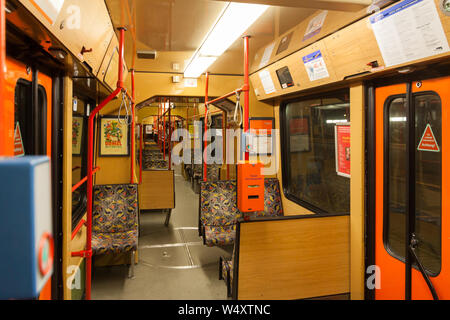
[157,190]
[292,258]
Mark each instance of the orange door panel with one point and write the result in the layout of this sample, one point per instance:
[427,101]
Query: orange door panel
[431,102]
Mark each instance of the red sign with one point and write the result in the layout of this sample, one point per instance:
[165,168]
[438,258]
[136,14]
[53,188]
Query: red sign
[342,135]
[428,141]
[19,151]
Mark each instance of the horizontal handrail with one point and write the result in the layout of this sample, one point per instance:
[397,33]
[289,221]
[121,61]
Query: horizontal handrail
[77,229]
[75,168]
[237,91]
[82,181]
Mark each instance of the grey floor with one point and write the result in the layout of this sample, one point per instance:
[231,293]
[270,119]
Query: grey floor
[173,262]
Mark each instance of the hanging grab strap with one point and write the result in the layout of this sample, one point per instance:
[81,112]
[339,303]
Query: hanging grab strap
[124,103]
[238,106]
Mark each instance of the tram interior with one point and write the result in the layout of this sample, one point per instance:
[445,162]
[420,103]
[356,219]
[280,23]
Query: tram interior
[224,150]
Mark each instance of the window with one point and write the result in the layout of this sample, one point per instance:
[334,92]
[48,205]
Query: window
[428,179]
[309,156]
[33,133]
[80,113]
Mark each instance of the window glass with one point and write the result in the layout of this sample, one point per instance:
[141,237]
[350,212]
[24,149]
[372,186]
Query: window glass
[309,153]
[428,183]
[428,176]
[396,202]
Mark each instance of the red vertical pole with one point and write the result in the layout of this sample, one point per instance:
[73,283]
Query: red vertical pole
[133,146]
[164,130]
[4,136]
[170,135]
[141,127]
[159,128]
[88,252]
[205,157]
[246,89]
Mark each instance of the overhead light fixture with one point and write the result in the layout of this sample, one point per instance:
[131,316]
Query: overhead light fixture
[234,20]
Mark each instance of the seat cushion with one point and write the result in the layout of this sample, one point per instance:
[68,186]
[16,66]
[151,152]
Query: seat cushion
[227,265]
[115,208]
[218,205]
[111,243]
[219,235]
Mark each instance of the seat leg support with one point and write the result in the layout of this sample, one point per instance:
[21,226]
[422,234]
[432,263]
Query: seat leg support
[131,270]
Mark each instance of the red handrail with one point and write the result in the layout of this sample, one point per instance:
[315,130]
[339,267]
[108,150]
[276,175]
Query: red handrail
[4,148]
[77,229]
[141,151]
[120,87]
[132,127]
[205,143]
[82,181]
[170,135]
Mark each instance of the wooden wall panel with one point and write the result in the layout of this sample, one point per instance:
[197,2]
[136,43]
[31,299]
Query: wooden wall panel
[293,258]
[346,53]
[157,190]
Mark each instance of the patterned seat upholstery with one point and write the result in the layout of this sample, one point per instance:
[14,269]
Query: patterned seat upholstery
[115,219]
[213,172]
[219,235]
[272,208]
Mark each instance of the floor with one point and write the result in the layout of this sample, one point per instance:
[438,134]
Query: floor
[173,262]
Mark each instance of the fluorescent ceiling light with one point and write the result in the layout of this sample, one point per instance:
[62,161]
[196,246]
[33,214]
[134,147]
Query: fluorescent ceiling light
[234,20]
[198,65]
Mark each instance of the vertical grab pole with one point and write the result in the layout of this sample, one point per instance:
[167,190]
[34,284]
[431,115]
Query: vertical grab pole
[246,89]
[170,136]
[164,129]
[88,253]
[141,127]
[205,167]
[4,146]
[133,147]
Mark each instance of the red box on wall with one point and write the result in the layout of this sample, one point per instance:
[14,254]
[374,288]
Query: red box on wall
[250,187]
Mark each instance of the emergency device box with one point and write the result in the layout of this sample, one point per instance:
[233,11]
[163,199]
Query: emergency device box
[26,242]
[250,187]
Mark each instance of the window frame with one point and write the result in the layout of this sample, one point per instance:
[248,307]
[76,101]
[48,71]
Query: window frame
[285,146]
[386,189]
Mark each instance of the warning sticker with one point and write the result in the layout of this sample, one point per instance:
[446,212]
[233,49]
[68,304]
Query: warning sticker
[428,141]
[19,151]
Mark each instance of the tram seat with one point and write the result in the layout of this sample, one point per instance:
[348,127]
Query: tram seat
[115,220]
[272,208]
[218,210]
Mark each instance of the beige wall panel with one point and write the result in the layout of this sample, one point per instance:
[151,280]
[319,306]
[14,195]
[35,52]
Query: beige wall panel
[94,29]
[157,190]
[294,259]
[333,22]
[357,191]
[346,53]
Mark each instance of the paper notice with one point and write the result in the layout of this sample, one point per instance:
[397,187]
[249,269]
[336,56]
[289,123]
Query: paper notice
[267,82]
[408,31]
[266,56]
[315,25]
[315,66]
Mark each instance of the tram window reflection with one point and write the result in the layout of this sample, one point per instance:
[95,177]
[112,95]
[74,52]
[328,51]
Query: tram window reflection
[309,154]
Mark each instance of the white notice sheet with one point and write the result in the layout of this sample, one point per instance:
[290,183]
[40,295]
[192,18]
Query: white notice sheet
[266,56]
[267,82]
[408,31]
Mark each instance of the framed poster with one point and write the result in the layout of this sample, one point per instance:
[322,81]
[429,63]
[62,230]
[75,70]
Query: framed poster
[262,139]
[342,141]
[299,134]
[114,137]
[149,129]
[77,134]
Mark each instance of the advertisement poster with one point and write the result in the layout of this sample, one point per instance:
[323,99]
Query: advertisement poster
[408,31]
[77,134]
[149,129]
[299,134]
[315,66]
[262,138]
[114,137]
[342,139]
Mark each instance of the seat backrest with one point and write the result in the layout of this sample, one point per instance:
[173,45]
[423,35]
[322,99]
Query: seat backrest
[272,199]
[213,173]
[115,208]
[218,203]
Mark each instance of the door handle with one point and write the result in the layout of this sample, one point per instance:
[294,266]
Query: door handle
[412,249]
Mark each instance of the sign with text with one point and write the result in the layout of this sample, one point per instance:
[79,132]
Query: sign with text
[342,140]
